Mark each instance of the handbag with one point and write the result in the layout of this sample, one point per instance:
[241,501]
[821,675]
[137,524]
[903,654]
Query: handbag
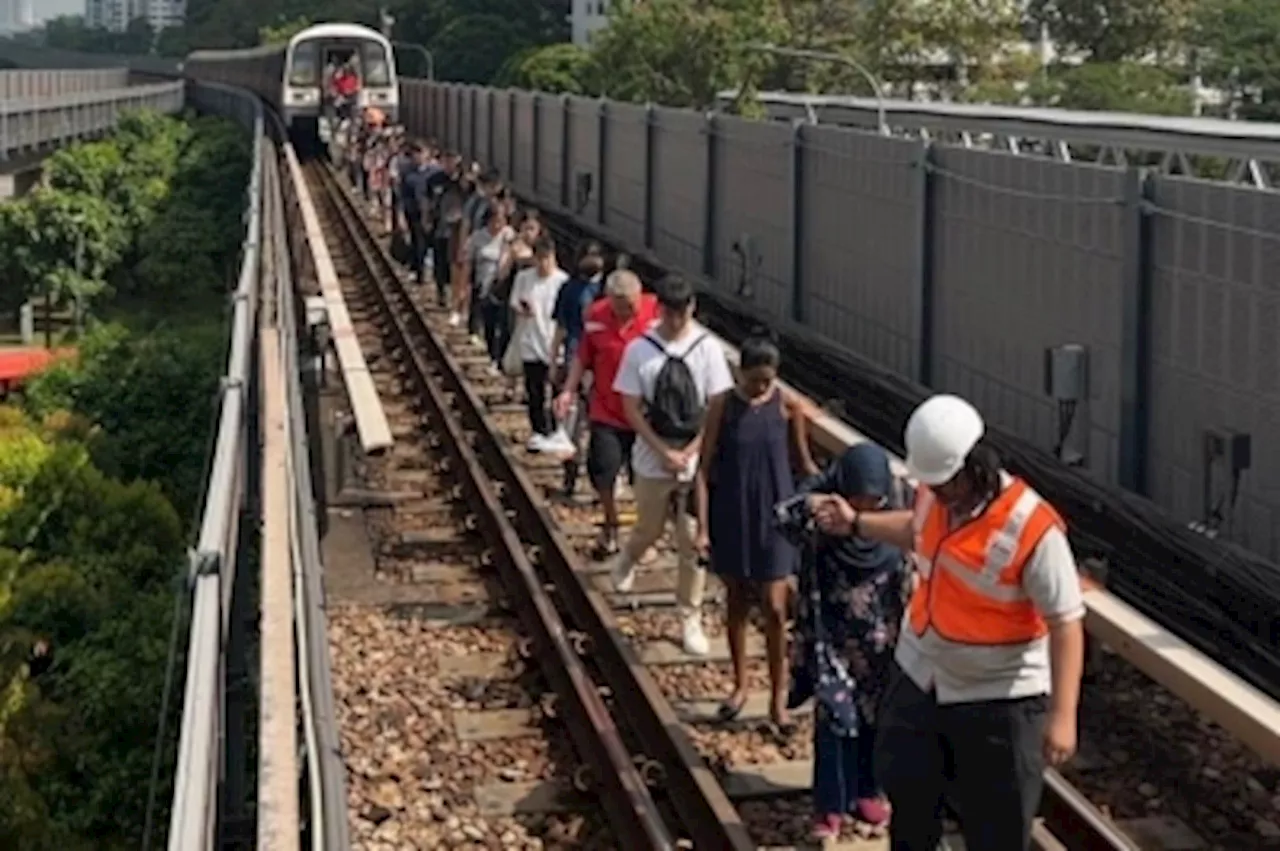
[401,251]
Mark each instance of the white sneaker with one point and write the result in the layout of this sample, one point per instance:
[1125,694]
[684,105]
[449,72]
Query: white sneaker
[454,319]
[477,340]
[558,443]
[695,640]
[535,443]
[623,574]
[493,370]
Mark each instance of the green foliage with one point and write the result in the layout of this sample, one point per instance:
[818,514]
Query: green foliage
[70,32]
[1239,41]
[1109,31]
[281,33]
[683,54]
[152,395]
[117,438]
[1116,87]
[86,565]
[557,68]
[58,245]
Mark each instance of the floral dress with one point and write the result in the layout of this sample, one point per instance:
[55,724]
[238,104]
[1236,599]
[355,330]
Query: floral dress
[852,598]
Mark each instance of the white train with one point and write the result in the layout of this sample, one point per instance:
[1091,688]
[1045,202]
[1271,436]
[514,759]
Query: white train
[293,77]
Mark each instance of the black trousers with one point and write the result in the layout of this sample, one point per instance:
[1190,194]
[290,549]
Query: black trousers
[985,756]
[536,374]
[493,315]
[418,243]
[442,266]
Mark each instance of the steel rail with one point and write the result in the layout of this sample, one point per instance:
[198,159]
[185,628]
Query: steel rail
[632,812]
[693,789]
[1070,820]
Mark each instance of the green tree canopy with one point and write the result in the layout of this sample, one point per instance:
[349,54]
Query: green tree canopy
[1116,87]
[683,54]
[1239,42]
[558,68]
[1114,30]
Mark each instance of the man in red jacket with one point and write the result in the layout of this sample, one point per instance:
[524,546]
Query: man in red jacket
[625,313]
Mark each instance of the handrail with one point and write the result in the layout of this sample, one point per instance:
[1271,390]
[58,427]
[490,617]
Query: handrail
[329,795]
[193,816]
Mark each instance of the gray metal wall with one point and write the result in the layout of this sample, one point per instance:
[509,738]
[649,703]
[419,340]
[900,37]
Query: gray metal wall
[955,267]
[50,83]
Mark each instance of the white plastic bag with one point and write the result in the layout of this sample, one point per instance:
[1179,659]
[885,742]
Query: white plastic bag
[512,362]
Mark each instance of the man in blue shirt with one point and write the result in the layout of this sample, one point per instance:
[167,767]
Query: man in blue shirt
[577,294]
[415,204]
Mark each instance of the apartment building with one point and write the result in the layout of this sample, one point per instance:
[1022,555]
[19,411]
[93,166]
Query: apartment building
[16,16]
[115,15]
[587,17]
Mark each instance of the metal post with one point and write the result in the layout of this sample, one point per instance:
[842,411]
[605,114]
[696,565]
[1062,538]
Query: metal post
[602,164]
[1135,337]
[839,59]
[426,55]
[925,253]
[650,160]
[797,222]
[709,224]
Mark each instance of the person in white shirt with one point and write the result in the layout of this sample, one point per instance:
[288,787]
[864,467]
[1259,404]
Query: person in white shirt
[533,298]
[667,379]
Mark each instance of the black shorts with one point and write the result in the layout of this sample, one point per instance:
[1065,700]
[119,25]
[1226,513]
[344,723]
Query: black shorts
[608,451]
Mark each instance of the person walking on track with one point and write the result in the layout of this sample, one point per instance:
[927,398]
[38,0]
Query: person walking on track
[988,665]
[852,596]
[751,437]
[608,328]
[667,379]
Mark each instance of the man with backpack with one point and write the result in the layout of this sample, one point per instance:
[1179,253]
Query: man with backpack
[667,379]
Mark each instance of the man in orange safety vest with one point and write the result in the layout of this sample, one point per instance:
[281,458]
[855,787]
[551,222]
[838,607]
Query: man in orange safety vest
[988,665]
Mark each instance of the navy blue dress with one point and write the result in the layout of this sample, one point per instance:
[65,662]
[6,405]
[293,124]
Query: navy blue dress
[750,473]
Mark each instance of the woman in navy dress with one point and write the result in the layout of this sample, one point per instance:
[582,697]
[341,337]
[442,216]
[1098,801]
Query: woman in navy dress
[749,442]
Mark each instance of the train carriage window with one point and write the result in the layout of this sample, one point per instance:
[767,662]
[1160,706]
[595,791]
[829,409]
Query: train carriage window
[377,71]
[305,67]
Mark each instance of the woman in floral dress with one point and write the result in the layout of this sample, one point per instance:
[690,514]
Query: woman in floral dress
[852,597]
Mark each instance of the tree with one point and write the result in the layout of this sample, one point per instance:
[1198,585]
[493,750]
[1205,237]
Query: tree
[282,32]
[1116,87]
[683,54]
[59,246]
[1114,30]
[557,68]
[1239,42]
[471,48]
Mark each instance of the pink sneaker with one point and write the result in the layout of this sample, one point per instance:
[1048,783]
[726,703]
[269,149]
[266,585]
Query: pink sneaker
[874,811]
[826,826]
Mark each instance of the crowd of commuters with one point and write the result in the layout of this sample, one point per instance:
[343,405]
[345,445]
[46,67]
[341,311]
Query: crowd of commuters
[938,628]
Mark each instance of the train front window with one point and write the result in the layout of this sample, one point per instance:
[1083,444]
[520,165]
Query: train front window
[304,69]
[377,71]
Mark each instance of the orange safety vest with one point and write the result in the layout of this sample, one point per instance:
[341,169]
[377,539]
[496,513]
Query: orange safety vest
[970,589]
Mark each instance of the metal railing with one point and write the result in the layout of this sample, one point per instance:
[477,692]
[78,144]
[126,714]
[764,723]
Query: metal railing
[267,306]
[193,818]
[36,123]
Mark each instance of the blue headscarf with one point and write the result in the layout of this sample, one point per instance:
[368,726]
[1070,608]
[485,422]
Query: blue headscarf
[862,471]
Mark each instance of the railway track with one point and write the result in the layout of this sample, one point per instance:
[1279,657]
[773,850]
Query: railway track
[665,767]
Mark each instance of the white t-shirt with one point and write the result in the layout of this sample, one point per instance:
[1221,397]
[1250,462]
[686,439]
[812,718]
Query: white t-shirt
[638,372]
[534,333]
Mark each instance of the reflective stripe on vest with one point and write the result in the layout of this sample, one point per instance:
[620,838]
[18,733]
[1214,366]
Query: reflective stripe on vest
[970,589]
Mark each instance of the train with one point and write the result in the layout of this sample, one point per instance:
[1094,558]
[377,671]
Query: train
[292,77]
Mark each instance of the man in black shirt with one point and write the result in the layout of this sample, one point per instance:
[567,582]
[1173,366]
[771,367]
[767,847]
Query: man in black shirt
[446,212]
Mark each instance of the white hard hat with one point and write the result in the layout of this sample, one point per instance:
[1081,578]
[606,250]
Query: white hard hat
[939,436]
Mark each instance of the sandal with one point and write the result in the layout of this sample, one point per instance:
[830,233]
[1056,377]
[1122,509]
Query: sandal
[730,709]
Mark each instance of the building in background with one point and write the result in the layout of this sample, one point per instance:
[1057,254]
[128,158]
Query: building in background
[587,17]
[115,15]
[16,16]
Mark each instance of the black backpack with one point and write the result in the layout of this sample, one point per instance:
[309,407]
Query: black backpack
[677,409]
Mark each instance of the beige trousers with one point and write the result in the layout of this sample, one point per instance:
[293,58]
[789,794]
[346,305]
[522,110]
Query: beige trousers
[658,500]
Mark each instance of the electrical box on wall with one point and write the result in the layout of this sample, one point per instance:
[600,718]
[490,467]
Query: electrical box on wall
[1066,373]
